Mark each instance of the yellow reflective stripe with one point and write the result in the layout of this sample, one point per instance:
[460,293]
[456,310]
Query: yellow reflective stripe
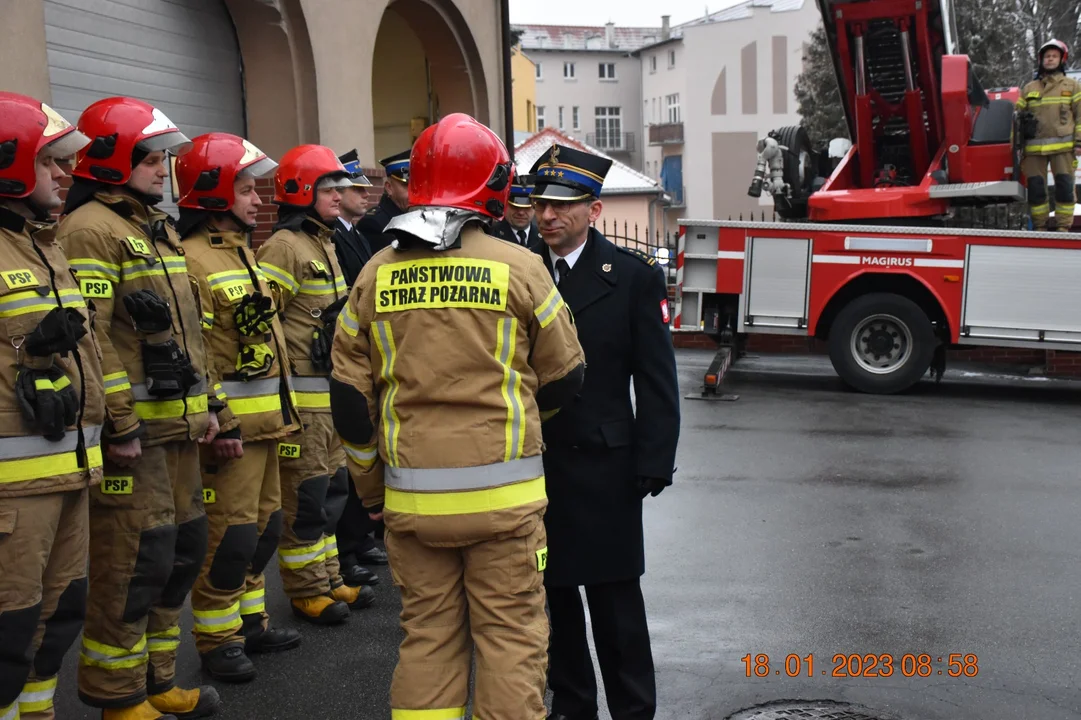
[330,544]
[228,277]
[363,455]
[43,384]
[384,341]
[312,401]
[219,392]
[164,641]
[318,287]
[13,471]
[439,714]
[208,320]
[168,409]
[37,695]
[111,657]
[92,268]
[209,621]
[250,406]
[28,301]
[296,558]
[280,276]
[11,712]
[339,284]
[465,503]
[548,310]
[116,382]
[61,383]
[511,389]
[349,322]
[253,602]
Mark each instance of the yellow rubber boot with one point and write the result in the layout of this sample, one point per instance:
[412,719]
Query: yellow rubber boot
[198,703]
[320,610]
[142,711]
[355,597]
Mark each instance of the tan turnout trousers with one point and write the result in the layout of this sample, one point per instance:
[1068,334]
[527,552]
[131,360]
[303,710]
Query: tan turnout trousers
[243,502]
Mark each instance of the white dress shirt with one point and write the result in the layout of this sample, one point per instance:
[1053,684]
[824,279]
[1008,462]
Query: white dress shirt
[571,258]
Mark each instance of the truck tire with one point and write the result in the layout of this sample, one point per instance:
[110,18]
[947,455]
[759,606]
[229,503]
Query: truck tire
[799,170]
[881,343]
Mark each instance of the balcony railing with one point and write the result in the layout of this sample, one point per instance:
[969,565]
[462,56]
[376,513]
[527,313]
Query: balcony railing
[666,134]
[678,197]
[611,142]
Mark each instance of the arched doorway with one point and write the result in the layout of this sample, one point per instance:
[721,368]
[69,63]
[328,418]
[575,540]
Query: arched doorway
[425,66]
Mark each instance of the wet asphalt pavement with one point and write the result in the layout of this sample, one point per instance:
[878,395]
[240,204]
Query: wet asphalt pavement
[811,521]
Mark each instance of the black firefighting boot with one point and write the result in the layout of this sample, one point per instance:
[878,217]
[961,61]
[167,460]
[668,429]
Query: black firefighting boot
[271,640]
[356,575]
[228,663]
[198,703]
[320,610]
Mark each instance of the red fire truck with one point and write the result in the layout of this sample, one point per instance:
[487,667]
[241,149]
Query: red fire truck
[870,252]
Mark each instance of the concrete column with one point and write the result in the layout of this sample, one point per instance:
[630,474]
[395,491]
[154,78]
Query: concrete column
[22,49]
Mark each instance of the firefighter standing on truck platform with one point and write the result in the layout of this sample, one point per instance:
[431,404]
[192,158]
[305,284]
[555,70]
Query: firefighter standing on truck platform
[51,412]
[451,347]
[148,529]
[1050,108]
[246,348]
[300,260]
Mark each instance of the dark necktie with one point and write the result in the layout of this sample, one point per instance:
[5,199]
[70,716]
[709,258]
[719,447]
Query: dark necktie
[564,269]
[521,238]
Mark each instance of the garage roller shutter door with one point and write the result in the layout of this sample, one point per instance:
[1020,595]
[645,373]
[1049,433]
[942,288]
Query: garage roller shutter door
[179,55]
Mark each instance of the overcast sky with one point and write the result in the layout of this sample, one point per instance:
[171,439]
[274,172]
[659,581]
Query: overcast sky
[636,13]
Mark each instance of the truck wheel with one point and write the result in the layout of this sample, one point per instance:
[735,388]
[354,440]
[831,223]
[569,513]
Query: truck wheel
[799,170]
[881,343]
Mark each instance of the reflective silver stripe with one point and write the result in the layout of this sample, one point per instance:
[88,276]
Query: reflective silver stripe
[311,384]
[231,619]
[141,394]
[84,267]
[111,659]
[349,321]
[361,454]
[252,388]
[512,385]
[546,312]
[1040,142]
[70,298]
[21,448]
[11,713]
[464,478]
[46,695]
[116,382]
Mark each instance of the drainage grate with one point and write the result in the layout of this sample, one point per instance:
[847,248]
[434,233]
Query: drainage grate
[808,710]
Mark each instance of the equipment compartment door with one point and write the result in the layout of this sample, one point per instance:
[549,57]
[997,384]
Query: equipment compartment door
[776,284]
[1026,294]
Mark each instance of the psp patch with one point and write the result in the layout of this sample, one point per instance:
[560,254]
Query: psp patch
[287,450]
[20,279]
[95,288]
[542,559]
[117,485]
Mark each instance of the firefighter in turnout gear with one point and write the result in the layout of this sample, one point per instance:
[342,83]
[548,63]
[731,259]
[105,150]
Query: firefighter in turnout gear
[301,264]
[51,412]
[1050,112]
[451,347]
[148,530]
[246,348]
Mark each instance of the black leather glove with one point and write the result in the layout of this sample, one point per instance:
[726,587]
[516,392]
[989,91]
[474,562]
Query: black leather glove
[1030,126]
[149,312]
[168,370]
[652,486]
[58,332]
[47,400]
[323,338]
[254,314]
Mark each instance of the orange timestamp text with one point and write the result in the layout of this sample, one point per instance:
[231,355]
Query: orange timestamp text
[863,665]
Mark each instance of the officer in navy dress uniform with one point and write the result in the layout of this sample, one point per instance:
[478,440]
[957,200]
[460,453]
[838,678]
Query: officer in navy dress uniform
[394,202]
[353,248]
[518,226]
[604,454]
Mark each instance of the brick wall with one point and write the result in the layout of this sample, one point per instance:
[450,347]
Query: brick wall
[1056,362]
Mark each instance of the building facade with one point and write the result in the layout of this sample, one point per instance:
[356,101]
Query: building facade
[369,74]
[589,84]
[523,72]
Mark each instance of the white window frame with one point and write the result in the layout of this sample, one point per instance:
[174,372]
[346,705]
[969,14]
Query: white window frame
[540,118]
[653,63]
[560,116]
[576,118]
[610,117]
[568,71]
[674,114]
[671,59]
[540,71]
[606,71]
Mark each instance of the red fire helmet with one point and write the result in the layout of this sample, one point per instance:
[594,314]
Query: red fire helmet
[462,164]
[1057,45]
[116,127]
[205,173]
[305,169]
[29,127]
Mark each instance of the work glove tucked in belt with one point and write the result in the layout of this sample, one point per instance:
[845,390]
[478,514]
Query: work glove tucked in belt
[323,338]
[47,400]
[58,332]
[168,370]
[254,316]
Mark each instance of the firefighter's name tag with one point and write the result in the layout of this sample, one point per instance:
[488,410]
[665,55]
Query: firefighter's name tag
[442,283]
[19,279]
[209,496]
[117,485]
[96,288]
[138,245]
[319,269]
[235,291]
[286,450]
[542,559]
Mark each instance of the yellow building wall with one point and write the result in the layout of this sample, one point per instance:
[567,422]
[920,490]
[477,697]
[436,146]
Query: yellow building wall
[523,74]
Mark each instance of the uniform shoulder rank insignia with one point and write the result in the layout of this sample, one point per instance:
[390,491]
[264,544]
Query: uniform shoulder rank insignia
[647,259]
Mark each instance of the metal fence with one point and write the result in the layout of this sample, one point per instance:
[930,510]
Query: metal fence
[660,246]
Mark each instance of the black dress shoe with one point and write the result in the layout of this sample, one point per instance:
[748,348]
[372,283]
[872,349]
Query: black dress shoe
[228,663]
[271,640]
[374,556]
[356,575]
[561,716]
